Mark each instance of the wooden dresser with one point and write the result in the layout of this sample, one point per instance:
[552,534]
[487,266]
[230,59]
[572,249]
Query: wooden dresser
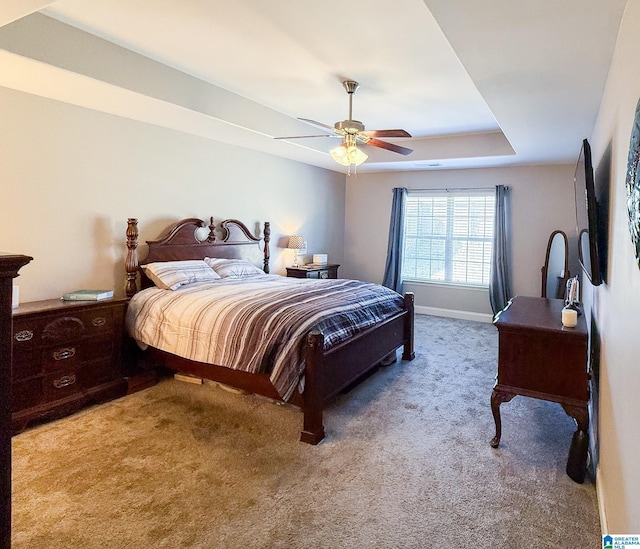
[66,354]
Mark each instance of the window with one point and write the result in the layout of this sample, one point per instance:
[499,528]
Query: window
[448,236]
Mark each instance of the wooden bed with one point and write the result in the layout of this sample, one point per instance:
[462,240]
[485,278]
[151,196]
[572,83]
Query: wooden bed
[327,372]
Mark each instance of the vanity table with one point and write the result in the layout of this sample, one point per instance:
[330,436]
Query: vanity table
[539,358]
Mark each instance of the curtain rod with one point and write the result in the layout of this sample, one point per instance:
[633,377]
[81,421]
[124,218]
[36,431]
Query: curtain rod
[453,189]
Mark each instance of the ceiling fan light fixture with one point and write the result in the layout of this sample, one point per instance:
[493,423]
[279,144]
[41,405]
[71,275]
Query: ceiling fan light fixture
[356,156]
[346,155]
[340,154]
[352,131]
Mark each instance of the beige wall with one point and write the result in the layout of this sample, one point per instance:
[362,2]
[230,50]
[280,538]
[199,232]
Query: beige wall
[542,201]
[616,305]
[71,177]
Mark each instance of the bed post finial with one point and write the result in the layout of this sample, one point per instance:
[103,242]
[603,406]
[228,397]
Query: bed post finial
[131,262]
[267,239]
[212,235]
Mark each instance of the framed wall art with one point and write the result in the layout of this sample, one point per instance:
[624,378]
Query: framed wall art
[633,184]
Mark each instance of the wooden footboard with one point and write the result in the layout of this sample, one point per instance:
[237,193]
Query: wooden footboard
[329,372]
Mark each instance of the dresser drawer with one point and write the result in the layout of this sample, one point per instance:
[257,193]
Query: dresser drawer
[69,381]
[30,332]
[322,273]
[85,324]
[62,384]
[73,354]
[27,334]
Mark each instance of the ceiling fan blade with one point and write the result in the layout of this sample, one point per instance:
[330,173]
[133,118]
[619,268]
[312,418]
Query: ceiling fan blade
[319,124]
[386,133]
[307,136]
[389,146]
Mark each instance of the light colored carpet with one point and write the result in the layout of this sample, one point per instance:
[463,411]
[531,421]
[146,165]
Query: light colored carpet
[406,464]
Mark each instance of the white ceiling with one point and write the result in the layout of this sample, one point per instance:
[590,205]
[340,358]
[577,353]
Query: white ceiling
[497,82]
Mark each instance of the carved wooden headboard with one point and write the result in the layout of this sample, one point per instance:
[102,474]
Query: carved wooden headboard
[229,239]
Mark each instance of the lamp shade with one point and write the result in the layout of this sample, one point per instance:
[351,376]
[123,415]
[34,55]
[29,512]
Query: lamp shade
[356,156]
[340,155]
[296,242]
[346,154]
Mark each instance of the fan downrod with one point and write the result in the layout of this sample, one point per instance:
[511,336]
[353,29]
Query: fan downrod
[350,126]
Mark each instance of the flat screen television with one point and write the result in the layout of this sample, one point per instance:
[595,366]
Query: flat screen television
[587,215]
[602,180]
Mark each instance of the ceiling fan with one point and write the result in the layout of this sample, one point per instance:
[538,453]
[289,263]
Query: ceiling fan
[352,131]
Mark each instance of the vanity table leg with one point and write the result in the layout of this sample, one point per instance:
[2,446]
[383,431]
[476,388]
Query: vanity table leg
[577,460]
[498,396]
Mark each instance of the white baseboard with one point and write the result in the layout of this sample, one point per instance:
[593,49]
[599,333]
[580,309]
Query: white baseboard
[452,313]
[604,527]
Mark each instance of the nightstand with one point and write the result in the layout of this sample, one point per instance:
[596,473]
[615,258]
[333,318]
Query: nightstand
[312,270]
[66,354]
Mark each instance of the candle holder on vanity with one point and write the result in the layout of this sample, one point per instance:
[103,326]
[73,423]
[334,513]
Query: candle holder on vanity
[571,309]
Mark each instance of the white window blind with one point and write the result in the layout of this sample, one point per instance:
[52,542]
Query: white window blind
[448,236]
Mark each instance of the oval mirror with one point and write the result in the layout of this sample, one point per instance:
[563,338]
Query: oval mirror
[555,271]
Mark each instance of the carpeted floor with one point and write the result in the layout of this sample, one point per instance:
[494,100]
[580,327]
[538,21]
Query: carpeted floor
[406,464]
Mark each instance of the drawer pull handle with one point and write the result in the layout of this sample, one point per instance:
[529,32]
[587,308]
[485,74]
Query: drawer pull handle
[63,354]
[99,321]
[23,335]
[64,381]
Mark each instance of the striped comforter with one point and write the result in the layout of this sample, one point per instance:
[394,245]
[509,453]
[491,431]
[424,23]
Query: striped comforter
[257,324]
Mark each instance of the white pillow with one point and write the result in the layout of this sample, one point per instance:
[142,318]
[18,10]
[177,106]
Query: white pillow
[233,268]
[170,275]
